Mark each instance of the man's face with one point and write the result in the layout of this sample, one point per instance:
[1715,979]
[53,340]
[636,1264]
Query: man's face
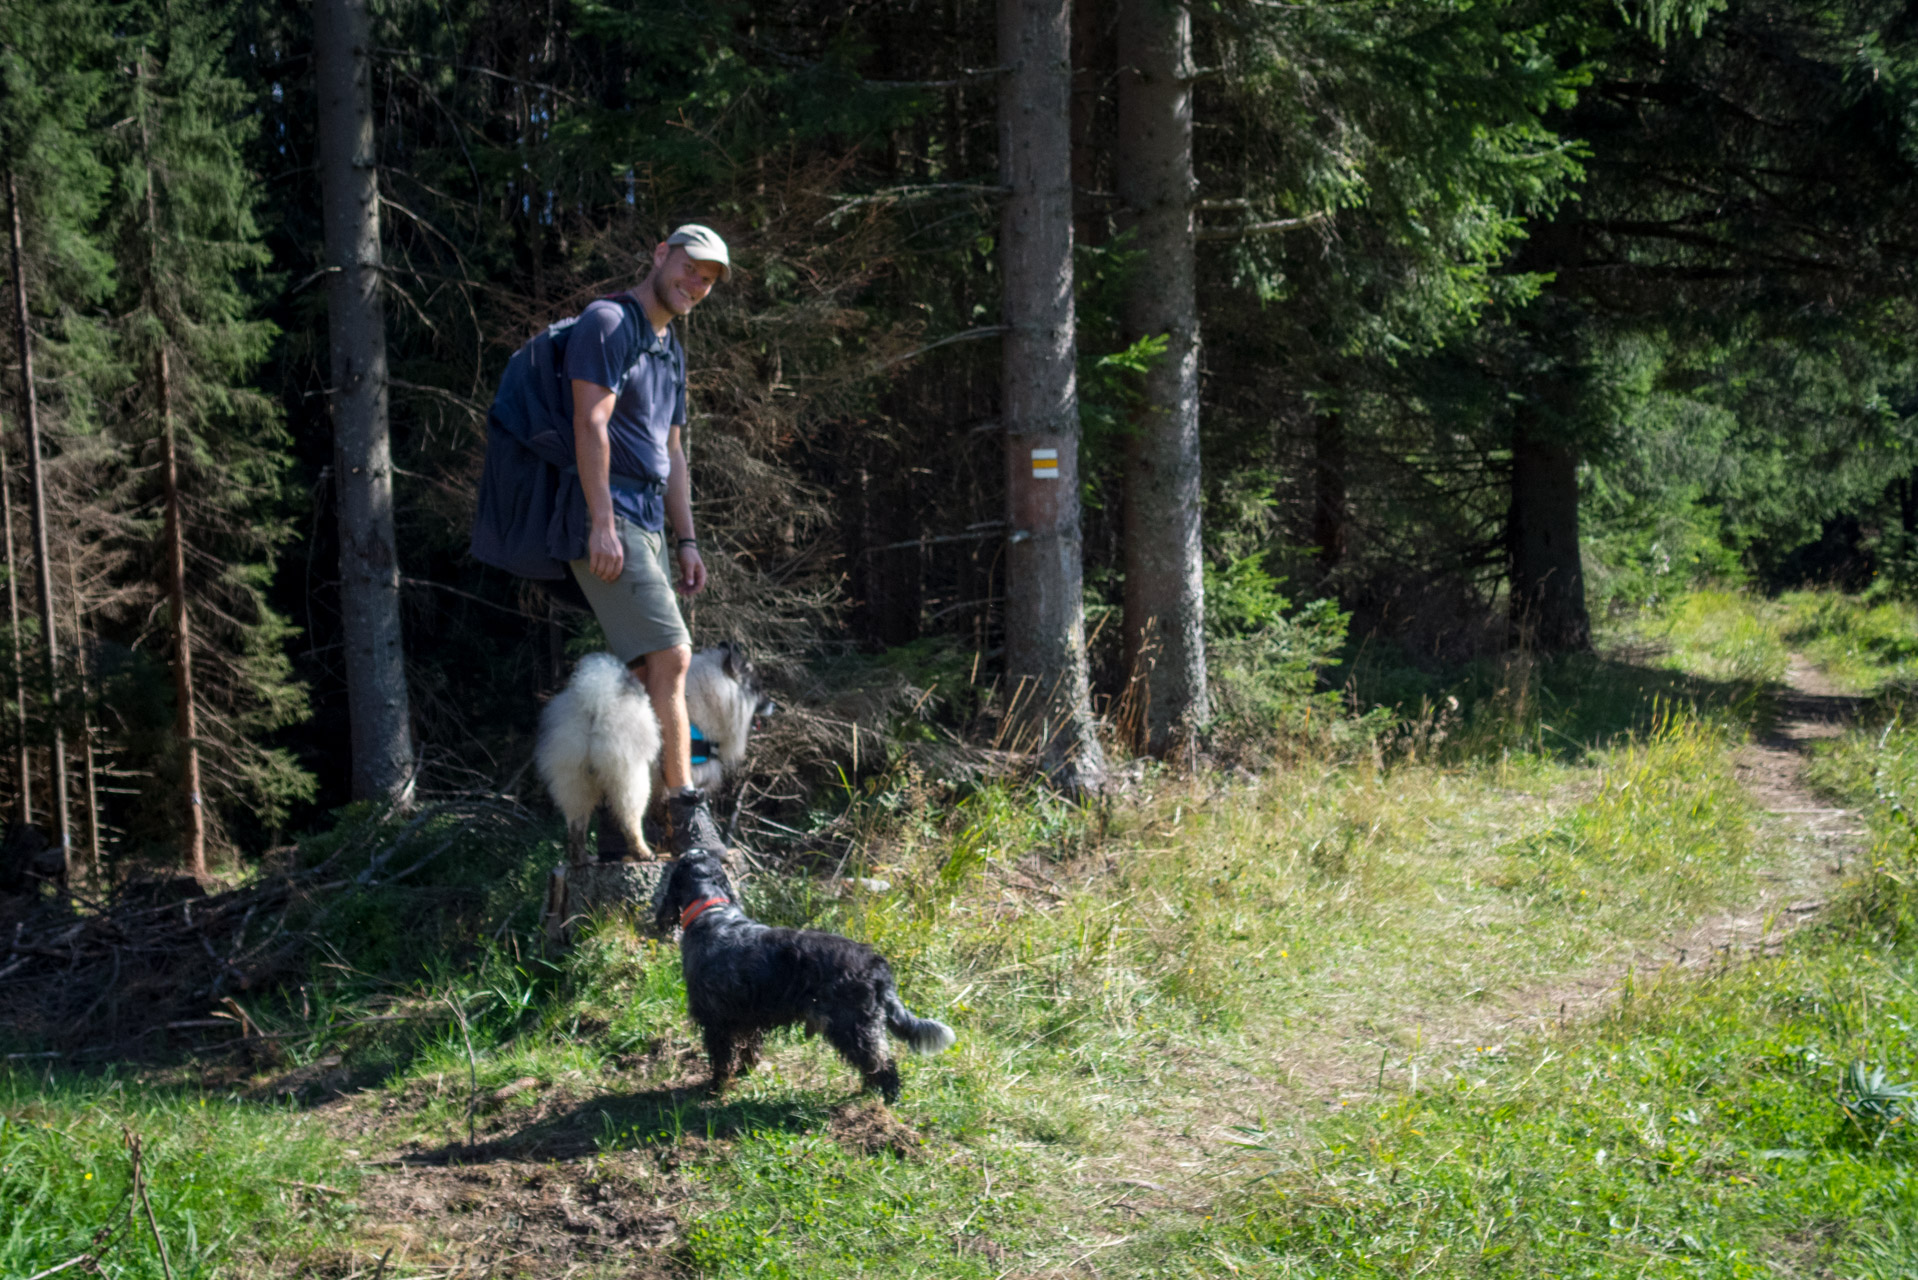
[680,280]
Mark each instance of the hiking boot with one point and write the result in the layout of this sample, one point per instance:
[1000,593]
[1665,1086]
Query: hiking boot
[691,820]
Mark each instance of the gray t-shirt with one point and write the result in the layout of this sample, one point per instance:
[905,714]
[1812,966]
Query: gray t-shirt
[651,400]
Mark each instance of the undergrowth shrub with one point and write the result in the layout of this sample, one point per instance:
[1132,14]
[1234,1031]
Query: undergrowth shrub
[1264,661]
[1641,554]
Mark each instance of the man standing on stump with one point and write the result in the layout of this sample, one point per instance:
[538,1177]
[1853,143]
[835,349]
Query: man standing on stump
[628,436]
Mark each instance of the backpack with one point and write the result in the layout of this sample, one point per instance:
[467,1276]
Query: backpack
[531,517]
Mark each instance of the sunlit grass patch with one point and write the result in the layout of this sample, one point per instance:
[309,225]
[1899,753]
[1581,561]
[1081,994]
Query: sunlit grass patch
[1722,635]
[225,1180]
[1861,645]
[1668,828]
[803,1204]
[1876,767]
[1704,1129]
[1126,978]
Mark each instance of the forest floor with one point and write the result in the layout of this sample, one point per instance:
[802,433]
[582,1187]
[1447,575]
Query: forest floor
[544,1195]
[1512,1008]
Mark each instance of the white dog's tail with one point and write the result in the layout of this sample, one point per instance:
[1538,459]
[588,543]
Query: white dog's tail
[597,742]
[922,1035]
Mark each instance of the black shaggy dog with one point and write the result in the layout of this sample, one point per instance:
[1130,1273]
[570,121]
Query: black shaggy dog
[744,978]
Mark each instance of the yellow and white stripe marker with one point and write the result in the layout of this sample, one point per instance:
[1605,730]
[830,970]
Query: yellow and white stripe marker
[1045,464]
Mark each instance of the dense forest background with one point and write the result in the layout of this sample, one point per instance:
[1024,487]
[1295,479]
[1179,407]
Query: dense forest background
[1472,279]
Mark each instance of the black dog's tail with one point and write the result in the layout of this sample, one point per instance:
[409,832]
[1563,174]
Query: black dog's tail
[922,1035]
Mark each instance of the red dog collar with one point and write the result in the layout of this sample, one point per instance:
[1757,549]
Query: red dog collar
[693,911]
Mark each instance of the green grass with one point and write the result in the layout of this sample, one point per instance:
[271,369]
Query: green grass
[228,1182]
[1705,1127]
[1337,901]
[1696,1131]
[1723,635]
[1321,960]
[1863,645]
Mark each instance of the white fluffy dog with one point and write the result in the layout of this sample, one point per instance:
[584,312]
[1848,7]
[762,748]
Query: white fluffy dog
[599,739]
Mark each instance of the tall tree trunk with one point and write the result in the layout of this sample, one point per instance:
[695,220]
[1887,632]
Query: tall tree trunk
[1329,464]
[376,691]
[1547,577]
[1045,608]
[23,758]
[89,780]
[43,567]
[185,713]
[1092,56]
[1164,557]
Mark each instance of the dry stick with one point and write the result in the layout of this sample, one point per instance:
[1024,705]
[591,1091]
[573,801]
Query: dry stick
[140,1192]
[472,1067]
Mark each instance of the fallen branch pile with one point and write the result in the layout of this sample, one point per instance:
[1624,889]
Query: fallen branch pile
[106,973]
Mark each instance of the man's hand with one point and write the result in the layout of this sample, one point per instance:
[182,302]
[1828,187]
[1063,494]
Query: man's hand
[692,571]
[605,554]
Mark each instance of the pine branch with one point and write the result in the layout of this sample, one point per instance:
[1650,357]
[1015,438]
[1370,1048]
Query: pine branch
[1211,235]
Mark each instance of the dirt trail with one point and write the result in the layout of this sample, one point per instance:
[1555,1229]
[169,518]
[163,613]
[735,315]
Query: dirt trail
[1821,838]
[1810,840]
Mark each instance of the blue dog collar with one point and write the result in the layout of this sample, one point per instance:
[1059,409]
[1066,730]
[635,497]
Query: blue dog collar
[702,750]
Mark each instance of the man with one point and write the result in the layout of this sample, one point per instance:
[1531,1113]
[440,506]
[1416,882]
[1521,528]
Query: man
[630,449]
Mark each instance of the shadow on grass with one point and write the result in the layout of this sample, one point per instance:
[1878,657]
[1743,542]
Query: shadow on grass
[664,1117]
[1562,706]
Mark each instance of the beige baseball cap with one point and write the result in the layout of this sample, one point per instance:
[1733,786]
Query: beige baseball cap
[704,244]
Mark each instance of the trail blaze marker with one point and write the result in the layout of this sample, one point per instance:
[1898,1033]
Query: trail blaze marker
[1045,464]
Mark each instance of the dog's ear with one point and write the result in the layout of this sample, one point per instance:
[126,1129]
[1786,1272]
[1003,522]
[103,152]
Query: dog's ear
[730,661]
[671,895]
[717,881]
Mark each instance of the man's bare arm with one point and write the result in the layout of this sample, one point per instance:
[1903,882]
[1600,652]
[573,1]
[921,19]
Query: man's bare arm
[679,513]
[593,453]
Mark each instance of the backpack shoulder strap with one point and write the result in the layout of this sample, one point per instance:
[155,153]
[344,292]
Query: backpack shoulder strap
[635,316]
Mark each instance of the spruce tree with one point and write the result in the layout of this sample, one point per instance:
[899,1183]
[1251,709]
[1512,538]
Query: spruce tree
[209,513]
[52,60]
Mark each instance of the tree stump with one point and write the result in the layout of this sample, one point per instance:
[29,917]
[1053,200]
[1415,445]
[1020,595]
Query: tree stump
[580,889]
[576,891]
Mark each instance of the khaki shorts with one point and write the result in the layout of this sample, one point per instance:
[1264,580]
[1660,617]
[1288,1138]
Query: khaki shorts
[638,610]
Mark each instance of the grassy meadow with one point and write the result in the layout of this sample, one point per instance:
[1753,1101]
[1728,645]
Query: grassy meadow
[1403,1006]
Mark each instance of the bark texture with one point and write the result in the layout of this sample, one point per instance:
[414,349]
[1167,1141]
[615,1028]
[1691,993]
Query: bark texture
[185,712]
[23,756]
[362,455]
[1164,556]
[1045,609]
[1547,577]
[42,563]
[89,773]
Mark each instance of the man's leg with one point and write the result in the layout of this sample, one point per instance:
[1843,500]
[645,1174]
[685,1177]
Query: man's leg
[664,675]
[640,615]
[665,679]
